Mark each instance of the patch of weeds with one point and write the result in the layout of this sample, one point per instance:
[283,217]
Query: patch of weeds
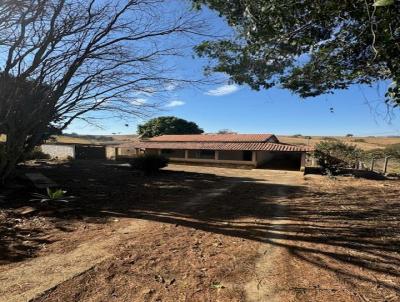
[217,285]
[56,195]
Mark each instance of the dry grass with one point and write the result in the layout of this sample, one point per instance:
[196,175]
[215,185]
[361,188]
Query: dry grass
[83,140]
[365,143]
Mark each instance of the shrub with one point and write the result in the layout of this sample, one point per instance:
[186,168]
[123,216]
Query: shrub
[297,135]
[149,163]
[359,140]
[393,150]
[374,153]
[349,135]
[36,153]
[334,156]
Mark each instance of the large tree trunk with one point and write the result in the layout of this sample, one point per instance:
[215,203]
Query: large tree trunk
[14,150]
[12,153]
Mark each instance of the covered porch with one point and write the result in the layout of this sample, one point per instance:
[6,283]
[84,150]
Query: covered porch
[245,158]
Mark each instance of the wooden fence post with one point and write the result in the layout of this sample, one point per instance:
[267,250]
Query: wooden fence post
[372,164]
[386,164]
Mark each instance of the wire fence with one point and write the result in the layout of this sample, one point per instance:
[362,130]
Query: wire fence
[377,165]
[393,165]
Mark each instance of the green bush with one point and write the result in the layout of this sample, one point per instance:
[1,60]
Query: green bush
[149,163]
[393,150]
[335,156]
[36,153]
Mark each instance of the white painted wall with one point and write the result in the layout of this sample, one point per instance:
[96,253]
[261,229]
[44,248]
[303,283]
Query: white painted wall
[59,151]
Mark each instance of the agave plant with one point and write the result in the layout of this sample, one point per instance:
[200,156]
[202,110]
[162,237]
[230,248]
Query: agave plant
[57,195]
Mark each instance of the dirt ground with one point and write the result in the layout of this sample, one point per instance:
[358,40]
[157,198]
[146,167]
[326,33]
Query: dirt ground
[199,234]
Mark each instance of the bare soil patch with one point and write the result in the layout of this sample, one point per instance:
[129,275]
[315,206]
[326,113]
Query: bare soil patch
[207,234]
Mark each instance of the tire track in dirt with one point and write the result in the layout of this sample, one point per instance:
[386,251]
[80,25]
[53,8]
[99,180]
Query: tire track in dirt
[33,278]
[280,276]
[271,263]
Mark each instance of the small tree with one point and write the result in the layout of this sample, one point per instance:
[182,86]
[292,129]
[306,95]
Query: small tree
[168,125]
[334,156]
[349,135]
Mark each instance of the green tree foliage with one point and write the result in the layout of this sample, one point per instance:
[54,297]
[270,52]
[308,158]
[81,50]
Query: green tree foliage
[310,47]
[168,125]
[333,156]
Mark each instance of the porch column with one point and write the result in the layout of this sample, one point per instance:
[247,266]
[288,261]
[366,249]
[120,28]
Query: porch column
[159,151]
[303,162]
[216,155]
[186,154]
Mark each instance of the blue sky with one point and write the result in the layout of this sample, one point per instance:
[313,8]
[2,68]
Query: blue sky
[359,110]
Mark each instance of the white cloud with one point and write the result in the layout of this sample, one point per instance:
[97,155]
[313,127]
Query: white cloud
[223,90]
[139,101]
[175,103]
[170,86]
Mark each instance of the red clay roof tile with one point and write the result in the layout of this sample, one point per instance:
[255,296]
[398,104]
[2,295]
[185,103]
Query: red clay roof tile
[244,146]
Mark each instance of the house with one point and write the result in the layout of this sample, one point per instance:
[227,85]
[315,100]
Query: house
[64,151]
[244,150]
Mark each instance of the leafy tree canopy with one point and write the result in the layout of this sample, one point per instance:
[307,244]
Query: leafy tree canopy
[310,47]
[168,125]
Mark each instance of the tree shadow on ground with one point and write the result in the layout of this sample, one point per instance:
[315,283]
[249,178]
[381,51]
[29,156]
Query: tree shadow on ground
[332,230]
[18,243]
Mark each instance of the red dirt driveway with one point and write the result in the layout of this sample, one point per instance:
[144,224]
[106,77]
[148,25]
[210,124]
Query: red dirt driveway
[202,234]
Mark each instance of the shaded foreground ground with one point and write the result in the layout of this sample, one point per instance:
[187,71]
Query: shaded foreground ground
[201,234]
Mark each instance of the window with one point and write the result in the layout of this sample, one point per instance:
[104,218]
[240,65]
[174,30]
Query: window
[202,154]
[173,153]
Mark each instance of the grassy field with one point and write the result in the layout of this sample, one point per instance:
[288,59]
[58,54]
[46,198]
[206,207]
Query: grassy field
[365,143]
[89,139]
